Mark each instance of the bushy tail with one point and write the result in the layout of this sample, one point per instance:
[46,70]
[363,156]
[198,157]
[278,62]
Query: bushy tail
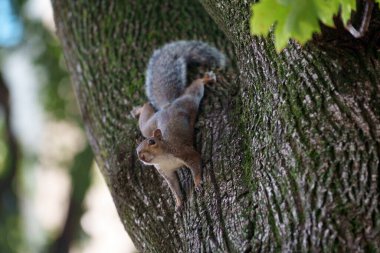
[166,73]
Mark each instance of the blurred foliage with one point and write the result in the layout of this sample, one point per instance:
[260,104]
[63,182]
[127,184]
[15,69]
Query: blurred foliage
[17,6]
[59,103]
[57,96]
[81,180]
[10,235]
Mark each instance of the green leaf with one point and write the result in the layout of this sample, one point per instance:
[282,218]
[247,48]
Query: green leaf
[302,21]
[297,19]
[293,18]
[264,16]
[326,10]
[347,7]
[281,37]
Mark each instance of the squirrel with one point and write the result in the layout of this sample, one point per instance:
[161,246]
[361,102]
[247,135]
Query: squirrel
[167,120]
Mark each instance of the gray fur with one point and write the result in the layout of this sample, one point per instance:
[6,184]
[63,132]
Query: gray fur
[167,69]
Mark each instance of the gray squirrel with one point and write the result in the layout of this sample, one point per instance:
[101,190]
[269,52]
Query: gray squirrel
[167,122]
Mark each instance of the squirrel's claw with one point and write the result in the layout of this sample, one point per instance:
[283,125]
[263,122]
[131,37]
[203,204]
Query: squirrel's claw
[136,111]
[199,187]
[209,77]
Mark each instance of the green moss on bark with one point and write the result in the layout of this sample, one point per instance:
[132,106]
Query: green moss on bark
[290,160]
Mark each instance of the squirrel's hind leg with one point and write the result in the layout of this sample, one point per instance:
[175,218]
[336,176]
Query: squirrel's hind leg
[147,121]
[194,94]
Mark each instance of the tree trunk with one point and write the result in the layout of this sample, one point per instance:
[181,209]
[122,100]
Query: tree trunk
[289,142]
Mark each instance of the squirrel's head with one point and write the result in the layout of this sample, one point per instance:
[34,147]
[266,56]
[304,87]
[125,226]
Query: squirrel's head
[151,148]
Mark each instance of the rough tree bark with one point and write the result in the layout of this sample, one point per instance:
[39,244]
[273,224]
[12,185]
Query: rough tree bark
[290,141]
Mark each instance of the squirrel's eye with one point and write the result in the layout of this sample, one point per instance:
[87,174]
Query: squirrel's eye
[151,142]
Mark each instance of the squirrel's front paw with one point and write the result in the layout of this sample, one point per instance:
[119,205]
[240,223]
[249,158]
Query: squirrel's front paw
[209,77]
[136,111]
[198,187]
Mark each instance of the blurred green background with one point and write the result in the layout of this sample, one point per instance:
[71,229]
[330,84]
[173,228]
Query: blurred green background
[52,198]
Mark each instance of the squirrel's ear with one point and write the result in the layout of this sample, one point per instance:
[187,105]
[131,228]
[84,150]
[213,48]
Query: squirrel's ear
[157,134]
